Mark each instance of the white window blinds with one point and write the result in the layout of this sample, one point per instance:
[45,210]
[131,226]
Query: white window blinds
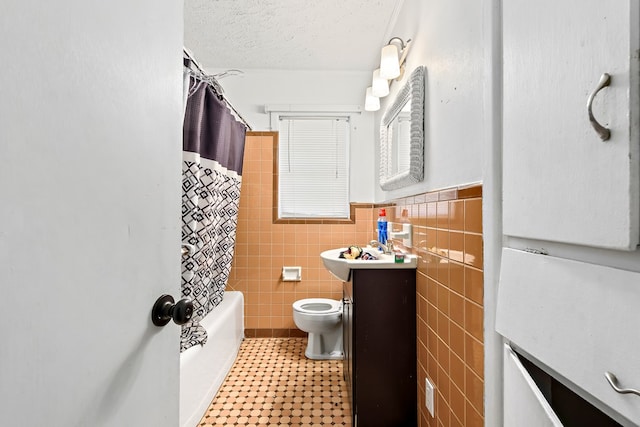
[313,170]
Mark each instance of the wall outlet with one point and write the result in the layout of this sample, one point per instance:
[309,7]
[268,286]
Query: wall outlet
[429,391]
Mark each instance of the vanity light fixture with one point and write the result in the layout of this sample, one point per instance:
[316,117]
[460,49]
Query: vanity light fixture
[379,85]
[392,59]
[371,103]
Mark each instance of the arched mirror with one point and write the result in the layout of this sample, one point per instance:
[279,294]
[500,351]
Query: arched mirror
[402,136]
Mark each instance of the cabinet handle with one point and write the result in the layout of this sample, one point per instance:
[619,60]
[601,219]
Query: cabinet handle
[613,382]
[602,131]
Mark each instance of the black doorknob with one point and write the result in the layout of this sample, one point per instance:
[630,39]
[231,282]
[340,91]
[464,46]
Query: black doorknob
[164,310]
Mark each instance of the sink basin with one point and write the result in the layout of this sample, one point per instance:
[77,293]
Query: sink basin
[341,267]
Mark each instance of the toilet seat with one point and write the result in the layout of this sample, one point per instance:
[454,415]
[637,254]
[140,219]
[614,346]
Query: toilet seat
[317,306]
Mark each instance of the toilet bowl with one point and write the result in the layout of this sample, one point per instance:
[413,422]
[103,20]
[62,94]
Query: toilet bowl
[322,319]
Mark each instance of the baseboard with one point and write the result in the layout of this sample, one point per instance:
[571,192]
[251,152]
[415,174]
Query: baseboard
[274,333]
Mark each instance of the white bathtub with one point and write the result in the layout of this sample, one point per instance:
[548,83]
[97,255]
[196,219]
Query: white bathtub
[203,368]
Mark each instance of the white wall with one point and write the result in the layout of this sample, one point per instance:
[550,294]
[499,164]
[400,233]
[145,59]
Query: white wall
[249,93]
[448,39]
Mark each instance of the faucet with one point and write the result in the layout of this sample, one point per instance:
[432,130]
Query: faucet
[387,249]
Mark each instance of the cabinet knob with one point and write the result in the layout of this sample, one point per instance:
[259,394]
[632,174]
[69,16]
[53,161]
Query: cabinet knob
[603,132]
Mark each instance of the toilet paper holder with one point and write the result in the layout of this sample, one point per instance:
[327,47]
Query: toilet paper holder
[291,274]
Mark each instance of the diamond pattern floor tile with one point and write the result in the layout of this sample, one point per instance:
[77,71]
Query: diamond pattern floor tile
[272,383]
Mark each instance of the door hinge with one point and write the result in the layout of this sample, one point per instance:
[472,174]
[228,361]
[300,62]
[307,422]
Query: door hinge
[540,251]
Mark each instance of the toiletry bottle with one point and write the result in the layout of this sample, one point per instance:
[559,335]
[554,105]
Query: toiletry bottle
[382,226]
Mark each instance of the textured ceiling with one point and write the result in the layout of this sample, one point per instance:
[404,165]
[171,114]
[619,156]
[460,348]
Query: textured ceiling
[288,34]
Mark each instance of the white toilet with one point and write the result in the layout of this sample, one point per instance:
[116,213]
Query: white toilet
[322,319]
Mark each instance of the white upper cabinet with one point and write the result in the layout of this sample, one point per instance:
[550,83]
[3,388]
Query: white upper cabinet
[562,182]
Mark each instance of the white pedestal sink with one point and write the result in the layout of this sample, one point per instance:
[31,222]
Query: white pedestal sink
[341,267]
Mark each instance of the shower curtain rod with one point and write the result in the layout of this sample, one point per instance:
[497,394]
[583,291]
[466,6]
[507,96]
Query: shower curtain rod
[202,75]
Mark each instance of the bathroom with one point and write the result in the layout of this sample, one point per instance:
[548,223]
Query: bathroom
[90,191]
[445,209]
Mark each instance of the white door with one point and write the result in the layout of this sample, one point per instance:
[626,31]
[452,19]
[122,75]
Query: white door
[90,140]
[561,181]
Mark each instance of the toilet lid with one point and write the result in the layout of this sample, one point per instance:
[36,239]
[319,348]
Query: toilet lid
[317,305]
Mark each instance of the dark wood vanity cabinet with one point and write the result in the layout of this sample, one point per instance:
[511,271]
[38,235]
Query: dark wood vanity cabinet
[379,332]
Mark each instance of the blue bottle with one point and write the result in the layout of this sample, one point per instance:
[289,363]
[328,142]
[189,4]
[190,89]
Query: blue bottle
[382,226]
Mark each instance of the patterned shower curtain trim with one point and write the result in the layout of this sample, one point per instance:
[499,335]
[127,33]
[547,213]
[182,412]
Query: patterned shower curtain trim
[211,181]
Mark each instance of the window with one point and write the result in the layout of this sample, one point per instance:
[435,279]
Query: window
[313,167]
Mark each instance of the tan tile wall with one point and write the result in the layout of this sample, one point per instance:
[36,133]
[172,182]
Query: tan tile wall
[263,248]
[447,237]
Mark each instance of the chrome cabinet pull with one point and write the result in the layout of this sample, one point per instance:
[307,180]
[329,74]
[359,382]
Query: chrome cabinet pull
[613,382]
[603,132]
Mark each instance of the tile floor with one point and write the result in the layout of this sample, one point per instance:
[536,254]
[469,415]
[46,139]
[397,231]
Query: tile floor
[273,384]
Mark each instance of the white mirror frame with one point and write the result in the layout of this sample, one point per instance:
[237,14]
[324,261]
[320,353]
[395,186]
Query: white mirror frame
[413,89]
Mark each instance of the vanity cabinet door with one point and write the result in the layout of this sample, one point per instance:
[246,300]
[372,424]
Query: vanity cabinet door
[384,369]
[561,181]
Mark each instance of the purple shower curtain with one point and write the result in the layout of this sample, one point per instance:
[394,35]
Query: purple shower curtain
[213,150]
